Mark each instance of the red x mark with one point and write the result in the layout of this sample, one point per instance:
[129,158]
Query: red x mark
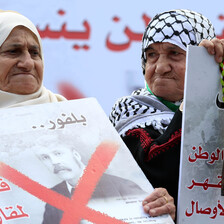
[75,208]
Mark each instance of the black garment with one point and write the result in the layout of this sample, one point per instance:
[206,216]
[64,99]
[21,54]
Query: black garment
[158,155]
[108,186]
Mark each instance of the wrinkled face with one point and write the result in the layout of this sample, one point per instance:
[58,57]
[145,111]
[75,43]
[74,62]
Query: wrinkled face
[165,70]
[62,161]
[21,66]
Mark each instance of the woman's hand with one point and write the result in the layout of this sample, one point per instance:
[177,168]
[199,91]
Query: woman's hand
[214,47]
[159,202]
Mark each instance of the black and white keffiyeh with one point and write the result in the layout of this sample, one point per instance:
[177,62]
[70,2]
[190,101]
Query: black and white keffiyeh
[141,109]
[179,27]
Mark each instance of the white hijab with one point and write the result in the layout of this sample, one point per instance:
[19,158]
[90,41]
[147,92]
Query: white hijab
[8,21]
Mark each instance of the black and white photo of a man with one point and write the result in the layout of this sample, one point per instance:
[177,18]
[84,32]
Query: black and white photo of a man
[64,161]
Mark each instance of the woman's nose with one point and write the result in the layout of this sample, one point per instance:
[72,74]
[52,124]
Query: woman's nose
[26,62]
[162,65]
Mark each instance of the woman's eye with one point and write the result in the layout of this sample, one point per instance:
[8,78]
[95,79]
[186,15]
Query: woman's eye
[12,51]
[151,54]
[35,52]
[175,53]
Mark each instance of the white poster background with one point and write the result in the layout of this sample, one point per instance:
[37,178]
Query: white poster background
[99,71]
[202,149]
[83,125]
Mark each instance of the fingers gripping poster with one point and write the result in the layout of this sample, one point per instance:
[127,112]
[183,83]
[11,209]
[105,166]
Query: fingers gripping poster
[65,163]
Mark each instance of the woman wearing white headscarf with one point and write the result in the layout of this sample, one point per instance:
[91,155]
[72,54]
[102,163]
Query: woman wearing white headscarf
[149,121]
[21,63]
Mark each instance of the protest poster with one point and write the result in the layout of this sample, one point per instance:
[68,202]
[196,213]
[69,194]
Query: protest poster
[50,150]
[202,148]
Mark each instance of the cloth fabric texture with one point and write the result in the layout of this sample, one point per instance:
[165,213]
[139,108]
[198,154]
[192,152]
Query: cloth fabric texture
[140,110]
[43,95]
[152,132]
[179,27]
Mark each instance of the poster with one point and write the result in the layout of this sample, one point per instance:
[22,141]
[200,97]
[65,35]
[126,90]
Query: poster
[202,151]
[65,163]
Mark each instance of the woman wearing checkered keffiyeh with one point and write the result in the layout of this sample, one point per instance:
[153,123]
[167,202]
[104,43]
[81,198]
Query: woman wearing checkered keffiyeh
[149,120]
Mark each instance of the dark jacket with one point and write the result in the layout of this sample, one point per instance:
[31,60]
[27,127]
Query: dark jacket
[108,186]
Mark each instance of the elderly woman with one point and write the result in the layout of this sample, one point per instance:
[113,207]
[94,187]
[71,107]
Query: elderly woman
[21,63]
[149,121]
